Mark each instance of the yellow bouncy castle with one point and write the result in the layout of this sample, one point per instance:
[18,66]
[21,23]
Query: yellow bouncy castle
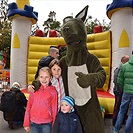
[108,46]
[98,44]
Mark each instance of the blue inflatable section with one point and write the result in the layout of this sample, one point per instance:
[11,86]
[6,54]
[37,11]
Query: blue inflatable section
[119,4]
[27,12]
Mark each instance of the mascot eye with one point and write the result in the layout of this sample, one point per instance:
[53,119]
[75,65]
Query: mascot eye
[65,29]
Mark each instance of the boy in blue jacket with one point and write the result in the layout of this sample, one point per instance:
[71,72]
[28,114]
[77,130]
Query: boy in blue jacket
[67,121]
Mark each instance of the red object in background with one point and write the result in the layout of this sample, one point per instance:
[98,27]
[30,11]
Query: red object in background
[8,76]
[98,29]
[53,33]
[104,94]
[62,45]
[25,91]
[39,33]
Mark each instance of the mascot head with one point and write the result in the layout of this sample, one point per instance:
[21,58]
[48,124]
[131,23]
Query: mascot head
[75,36]
[74,30]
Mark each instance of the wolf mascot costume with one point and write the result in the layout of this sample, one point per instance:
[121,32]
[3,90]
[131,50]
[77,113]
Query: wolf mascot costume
[82,73]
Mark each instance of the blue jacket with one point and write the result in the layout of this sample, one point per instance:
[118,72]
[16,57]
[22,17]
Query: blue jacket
[67,123]
[125,77]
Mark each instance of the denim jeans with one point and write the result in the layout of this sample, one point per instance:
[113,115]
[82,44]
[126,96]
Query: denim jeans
[127,99]
[118,98]
[41,128]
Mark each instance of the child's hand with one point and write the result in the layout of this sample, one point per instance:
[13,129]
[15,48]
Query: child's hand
[27,129]
[30,88]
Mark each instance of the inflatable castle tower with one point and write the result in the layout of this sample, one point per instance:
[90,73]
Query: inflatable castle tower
[121,14]
[22,17]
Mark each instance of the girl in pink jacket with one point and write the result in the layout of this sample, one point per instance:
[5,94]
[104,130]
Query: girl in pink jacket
[42,107]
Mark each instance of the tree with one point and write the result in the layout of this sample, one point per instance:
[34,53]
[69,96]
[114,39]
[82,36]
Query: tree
[51,23]
[90,24]
[5,31]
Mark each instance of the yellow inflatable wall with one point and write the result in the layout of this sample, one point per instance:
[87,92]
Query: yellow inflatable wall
[38,47]
[98,44]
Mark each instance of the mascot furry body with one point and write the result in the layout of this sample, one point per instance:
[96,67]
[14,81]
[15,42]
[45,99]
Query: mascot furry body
[82,73]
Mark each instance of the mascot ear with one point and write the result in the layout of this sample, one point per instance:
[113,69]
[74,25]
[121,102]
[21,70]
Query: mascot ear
[82,14]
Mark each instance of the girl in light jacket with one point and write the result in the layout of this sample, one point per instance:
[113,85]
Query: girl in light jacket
[57,79]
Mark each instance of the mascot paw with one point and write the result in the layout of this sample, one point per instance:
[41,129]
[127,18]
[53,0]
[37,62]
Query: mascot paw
[36,84]
[82,79]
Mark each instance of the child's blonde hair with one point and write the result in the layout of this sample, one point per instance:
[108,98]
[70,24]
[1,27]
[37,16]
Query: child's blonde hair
[45,69]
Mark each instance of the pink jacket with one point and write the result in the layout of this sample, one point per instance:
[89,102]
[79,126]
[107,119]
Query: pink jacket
[42,106]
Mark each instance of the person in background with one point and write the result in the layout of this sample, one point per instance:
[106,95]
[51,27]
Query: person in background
[44,61]
[42,107]
[15,119]
[67,121]
[125,81]
[118,91]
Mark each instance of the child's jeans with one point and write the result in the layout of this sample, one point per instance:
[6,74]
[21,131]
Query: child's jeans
[41,128]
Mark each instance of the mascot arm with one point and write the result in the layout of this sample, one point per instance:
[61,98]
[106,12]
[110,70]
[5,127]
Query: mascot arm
[91,79]
[96,76]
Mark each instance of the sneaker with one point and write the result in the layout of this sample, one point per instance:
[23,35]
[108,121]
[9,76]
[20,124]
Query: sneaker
[11,124]
[115,131]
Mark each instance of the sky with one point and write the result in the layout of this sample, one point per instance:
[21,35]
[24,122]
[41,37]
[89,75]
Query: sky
[64,8]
